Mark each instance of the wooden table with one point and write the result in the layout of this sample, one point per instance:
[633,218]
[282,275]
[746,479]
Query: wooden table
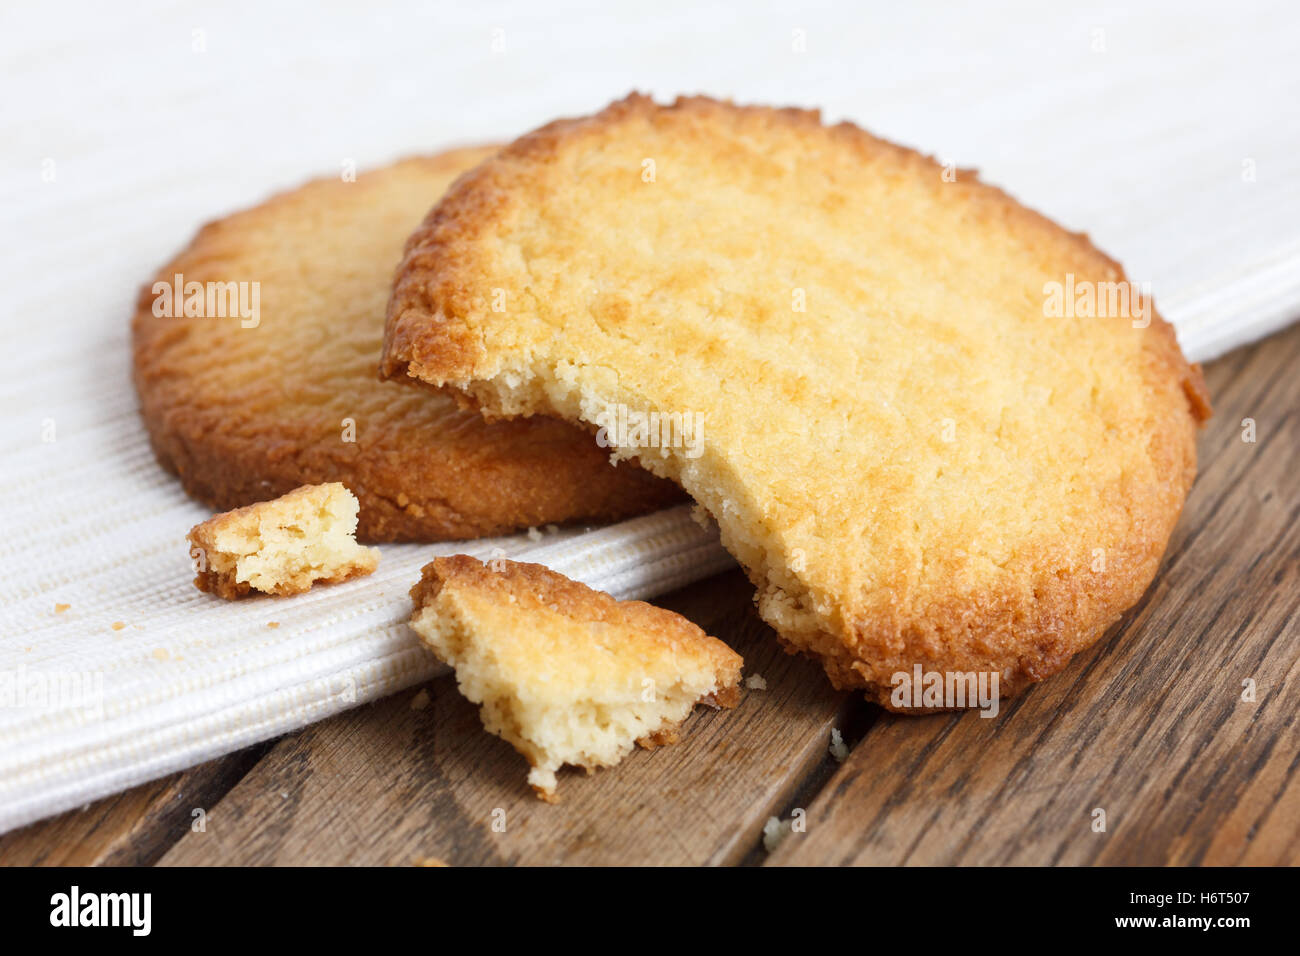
[1149,726]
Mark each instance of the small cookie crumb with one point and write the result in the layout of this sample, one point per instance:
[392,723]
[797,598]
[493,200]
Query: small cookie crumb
[534,534]
[60,608]
[272,624]
[420,700]
[429,861]
[774,831]
[755,682]
[118,625]
[283,546]
[839,750]
[701,516]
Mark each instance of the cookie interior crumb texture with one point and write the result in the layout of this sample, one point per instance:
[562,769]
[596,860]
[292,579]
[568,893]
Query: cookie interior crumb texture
[564,673]
[282,546]
[919,460]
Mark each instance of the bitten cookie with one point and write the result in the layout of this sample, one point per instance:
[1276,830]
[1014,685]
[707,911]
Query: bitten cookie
[566,674]
[282,547]
[257,373]
[939,431]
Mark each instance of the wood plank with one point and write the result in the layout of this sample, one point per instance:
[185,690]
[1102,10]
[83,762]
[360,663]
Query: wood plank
[1150,725]
[388,784]
[132,828]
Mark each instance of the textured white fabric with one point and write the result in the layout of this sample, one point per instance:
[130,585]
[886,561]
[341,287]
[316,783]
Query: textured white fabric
[1168,133]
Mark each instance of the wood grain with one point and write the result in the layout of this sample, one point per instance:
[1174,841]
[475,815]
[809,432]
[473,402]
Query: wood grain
[393,785]
[1150,725]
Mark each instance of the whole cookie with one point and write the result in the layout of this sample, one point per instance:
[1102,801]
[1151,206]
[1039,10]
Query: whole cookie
[262,376]
[945,437]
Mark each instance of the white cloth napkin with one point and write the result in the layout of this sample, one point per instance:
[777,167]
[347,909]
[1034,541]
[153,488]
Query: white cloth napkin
[1163,132]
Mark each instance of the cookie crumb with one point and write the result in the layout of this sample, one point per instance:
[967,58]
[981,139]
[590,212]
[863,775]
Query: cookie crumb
[60,608]
[420,700]
[283,546]
[700,515]
[775,831]
[839,750]
[272,624]
[755,682]
[118,625]
[429,861]
[493,626]
[534,534]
